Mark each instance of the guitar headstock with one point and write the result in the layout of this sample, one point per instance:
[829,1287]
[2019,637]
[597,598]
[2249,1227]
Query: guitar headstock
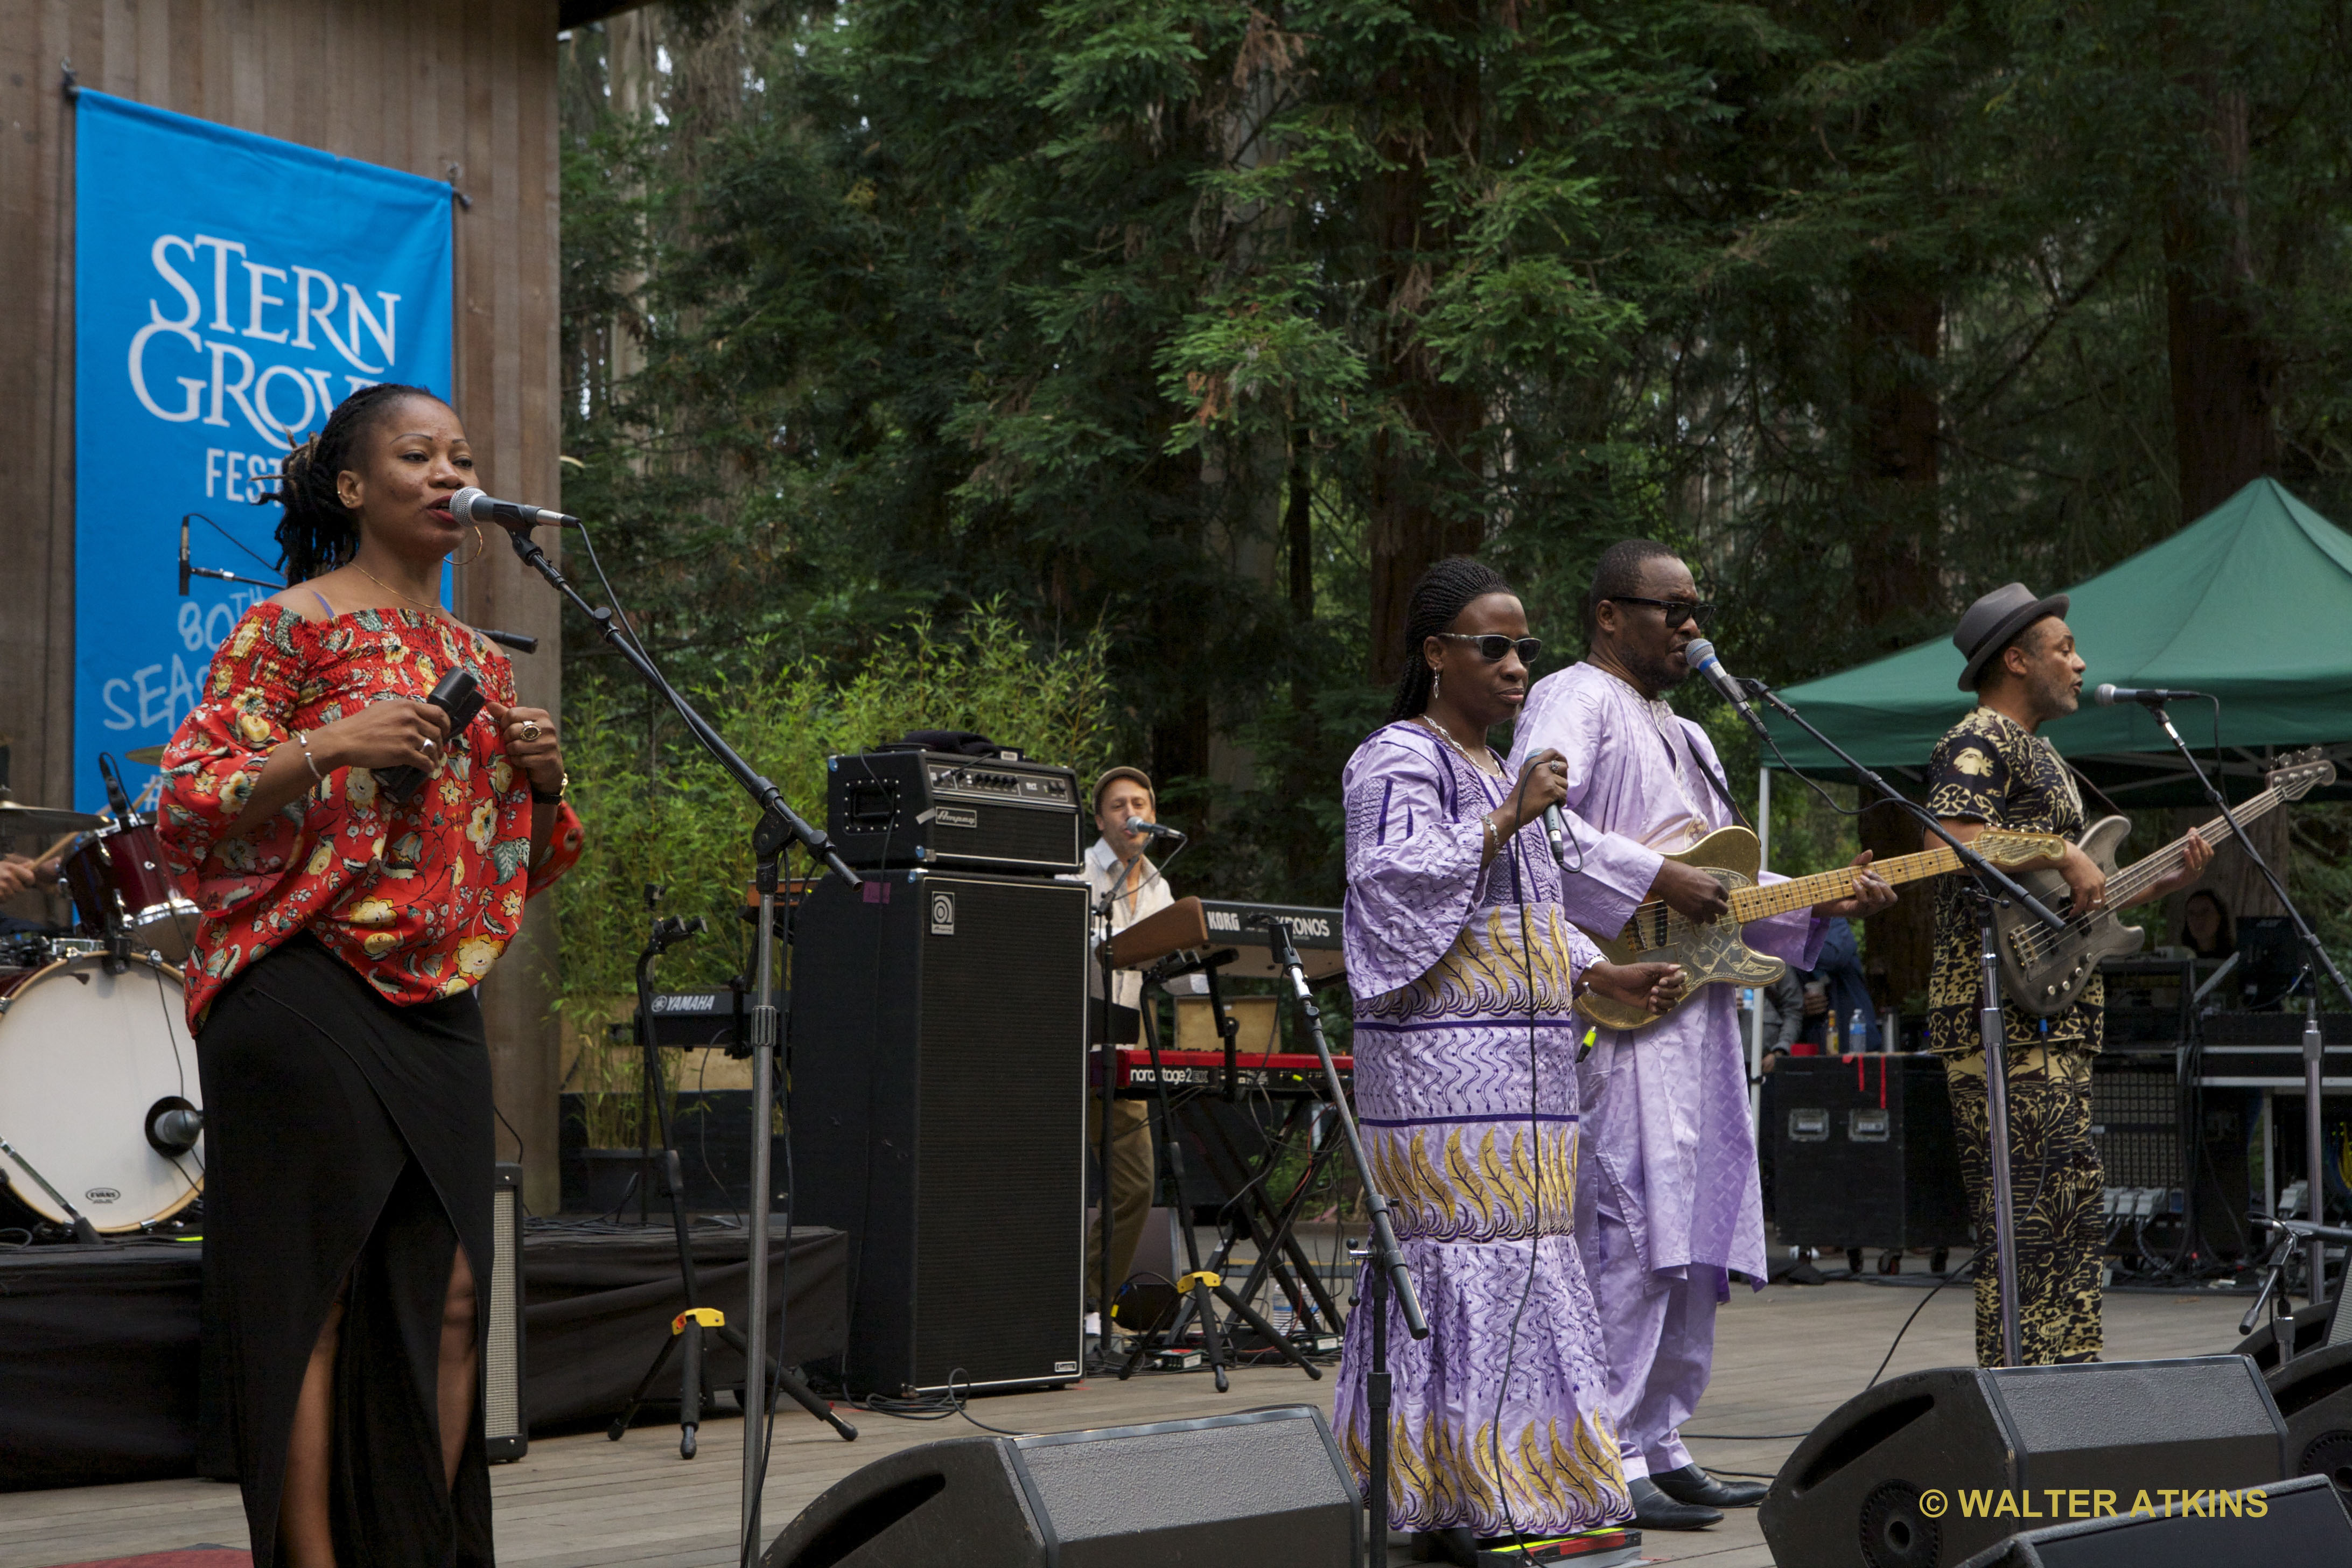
[2008,848]
[2297,773]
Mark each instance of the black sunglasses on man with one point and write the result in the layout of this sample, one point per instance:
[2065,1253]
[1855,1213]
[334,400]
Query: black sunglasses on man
[1677,611]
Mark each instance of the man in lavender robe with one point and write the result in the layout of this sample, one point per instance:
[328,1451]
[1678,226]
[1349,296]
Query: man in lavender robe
[1667,1204]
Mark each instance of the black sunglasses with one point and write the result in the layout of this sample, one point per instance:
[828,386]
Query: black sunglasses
[1492,646]
[1677,610]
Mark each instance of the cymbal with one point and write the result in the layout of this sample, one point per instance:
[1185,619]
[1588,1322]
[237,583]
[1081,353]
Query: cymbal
[146,756]
[14,819]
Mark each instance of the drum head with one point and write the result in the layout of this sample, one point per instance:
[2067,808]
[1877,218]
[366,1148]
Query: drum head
[84,1054]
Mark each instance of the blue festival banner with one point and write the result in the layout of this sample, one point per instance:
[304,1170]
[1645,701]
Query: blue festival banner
[229,289]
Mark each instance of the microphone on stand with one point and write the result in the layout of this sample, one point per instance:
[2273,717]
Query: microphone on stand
[1136,825]
[470,505]
[1701,654]
[183,558]
[2107,696]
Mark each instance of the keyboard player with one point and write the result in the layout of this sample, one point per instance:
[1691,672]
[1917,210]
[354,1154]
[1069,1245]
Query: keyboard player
[1118,868]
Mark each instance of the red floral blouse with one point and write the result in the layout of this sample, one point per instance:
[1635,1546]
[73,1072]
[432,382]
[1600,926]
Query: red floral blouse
[421,898]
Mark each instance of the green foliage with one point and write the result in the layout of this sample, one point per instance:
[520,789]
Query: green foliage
[662,814]
[1198,323]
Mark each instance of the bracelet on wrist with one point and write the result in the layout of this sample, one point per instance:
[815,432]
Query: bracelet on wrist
[304,741]
[549,797]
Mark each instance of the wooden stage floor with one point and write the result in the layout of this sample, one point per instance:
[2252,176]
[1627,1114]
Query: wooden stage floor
[1784,1358]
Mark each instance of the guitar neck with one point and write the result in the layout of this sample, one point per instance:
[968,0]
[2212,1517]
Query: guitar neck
[2126,886]
[1803,892]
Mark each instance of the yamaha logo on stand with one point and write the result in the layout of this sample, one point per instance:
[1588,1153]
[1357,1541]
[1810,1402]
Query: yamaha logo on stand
[942,913]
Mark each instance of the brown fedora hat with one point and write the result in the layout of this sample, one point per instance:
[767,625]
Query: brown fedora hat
[1993,621]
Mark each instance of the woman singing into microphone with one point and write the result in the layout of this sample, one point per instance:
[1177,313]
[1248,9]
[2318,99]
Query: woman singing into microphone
[1465,969]
[347,1085]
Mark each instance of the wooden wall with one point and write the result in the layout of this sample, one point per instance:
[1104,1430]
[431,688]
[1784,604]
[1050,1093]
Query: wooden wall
[420,85]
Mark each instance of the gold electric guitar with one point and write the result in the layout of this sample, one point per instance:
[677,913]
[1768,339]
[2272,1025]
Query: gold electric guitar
[2042,971]
[1712,954]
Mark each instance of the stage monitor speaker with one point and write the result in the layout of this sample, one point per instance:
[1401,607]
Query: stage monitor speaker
[2314,1397]
[1263,1488]
[1855,1492]
[938,1116]
[2298,1522]
[506,1430]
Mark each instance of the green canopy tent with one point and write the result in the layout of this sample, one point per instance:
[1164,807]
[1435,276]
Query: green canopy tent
[2252,603]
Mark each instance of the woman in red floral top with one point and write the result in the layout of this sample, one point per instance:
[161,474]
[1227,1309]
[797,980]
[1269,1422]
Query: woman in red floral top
[346,1077]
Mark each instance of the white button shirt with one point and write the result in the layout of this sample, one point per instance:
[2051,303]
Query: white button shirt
[1145,893]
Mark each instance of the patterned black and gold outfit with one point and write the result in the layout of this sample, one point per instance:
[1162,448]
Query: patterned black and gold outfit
[1989,768]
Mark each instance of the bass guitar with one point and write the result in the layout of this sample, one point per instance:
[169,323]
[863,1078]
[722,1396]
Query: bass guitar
[1711,952]
[2042,971]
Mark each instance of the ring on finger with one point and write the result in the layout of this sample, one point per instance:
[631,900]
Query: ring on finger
[428,744]
[531,730]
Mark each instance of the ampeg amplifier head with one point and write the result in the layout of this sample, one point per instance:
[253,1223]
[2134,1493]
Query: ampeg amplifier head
[908,808]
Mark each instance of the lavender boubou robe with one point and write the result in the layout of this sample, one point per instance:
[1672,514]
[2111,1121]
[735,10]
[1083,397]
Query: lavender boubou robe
[1465,1083]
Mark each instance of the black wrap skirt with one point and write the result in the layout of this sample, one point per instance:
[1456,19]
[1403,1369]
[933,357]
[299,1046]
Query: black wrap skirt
[349,1149]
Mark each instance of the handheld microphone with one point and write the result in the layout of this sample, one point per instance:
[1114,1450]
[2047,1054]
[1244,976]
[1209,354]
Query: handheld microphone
[1153,829]
[1556,832]
[183,558]
[1701,654]
[2107,696]
[470,505]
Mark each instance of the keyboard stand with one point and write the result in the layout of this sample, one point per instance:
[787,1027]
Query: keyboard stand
[1201,1289]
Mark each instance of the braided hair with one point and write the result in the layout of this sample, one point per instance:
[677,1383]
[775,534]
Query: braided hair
[1438,598]
[318,532]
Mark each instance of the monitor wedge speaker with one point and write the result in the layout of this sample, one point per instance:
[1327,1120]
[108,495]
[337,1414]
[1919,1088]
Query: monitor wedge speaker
[2298,1522]
[1263,1488]
[2314,1397]
[1926,1468]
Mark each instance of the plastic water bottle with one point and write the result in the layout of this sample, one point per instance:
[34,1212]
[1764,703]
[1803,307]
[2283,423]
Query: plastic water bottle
[1857,1031]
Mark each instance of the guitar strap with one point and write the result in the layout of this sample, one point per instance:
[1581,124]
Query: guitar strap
[1722,791]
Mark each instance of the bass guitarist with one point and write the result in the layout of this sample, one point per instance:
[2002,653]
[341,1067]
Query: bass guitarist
[1993,769]
[1667,1204]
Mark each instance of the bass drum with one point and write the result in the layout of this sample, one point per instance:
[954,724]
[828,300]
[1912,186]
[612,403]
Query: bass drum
[87,1058]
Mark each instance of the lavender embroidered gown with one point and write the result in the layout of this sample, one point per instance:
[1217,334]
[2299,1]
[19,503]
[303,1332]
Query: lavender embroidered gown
[1469,1115]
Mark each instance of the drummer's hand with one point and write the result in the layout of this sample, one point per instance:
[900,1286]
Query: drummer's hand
[531,745]
[16,873]
[1653,987]
[394,733]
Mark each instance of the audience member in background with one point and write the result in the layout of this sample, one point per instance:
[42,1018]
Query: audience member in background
[2205,926]
[1835,990]
[1783,1002]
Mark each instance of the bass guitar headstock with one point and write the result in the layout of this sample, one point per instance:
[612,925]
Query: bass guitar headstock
[2008,849]
[2297,773]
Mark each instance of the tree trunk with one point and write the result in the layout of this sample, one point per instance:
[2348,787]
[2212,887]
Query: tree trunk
[2224,370]
[1416,510]
[1896,327]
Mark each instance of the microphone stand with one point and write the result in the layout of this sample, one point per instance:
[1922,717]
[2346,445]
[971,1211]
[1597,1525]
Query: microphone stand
[1993,886]
[2315,958]
[1387,1260]
[778,827]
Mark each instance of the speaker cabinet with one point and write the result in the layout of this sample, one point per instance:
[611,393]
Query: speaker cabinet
[2314,1394]
[2300,1522]
[1854,1494]
[1266,1488]
[938,1116]
[1863,1153]
[505,1429]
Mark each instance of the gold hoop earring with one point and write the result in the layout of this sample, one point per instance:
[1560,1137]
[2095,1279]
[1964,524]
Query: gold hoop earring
[479,547]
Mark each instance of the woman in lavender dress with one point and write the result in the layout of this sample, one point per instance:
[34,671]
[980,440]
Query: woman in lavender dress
[1464,969]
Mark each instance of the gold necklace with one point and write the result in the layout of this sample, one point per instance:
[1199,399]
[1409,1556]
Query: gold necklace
[428,609]
[1446,736]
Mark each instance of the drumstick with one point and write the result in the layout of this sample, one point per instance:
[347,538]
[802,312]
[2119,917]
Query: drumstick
[53,850]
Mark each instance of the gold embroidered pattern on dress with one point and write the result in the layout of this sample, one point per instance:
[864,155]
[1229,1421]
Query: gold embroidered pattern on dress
[1447,1476]
[1486,974]
[1455,1182]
